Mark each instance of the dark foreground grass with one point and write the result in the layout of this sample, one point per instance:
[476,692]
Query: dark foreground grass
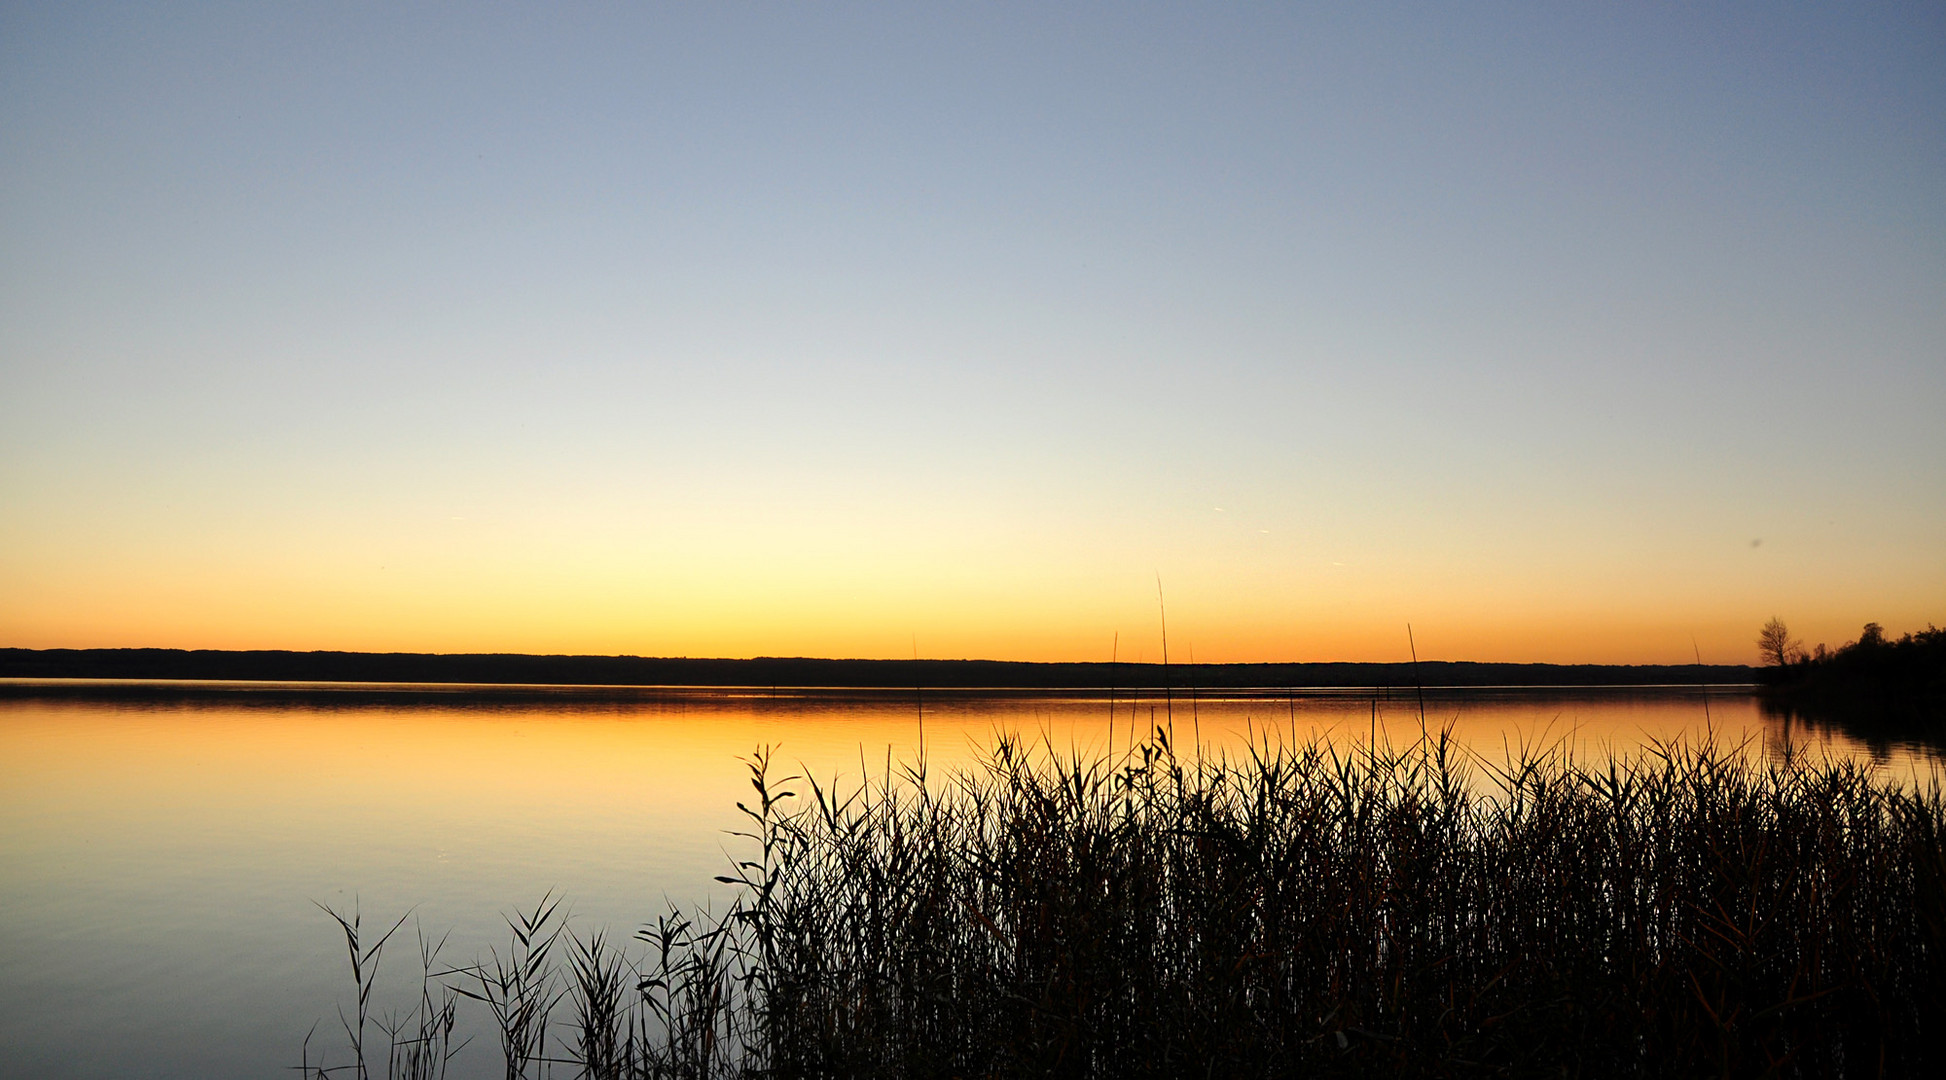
[1296,912]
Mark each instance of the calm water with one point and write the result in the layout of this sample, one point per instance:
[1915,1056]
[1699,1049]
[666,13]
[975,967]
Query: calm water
[161,851]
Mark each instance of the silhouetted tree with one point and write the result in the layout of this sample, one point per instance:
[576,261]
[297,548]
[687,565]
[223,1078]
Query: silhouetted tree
[1774,644]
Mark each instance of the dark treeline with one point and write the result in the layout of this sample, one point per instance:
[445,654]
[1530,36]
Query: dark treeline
[506,668]
[1911,666]
[1877,689]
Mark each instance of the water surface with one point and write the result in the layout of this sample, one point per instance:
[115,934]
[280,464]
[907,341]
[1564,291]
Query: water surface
[163,846]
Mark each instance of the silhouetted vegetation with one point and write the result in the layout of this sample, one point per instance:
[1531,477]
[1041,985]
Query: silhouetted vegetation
[1776,646]
[1303,910]
[1877,689]
[1914,665]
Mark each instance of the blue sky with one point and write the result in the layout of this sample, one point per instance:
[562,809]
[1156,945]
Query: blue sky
[1563,333]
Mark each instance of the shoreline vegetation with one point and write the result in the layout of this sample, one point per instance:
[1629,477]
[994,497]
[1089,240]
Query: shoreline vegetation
[805,672]
[1876,689]
[1301,909]
[1872,669]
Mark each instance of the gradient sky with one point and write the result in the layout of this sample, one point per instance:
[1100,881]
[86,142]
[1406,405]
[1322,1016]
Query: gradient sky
[1562,332]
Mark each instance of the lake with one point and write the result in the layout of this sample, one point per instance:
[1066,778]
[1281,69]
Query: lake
[164,847]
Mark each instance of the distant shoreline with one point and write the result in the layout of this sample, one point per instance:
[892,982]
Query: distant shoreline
[808,673]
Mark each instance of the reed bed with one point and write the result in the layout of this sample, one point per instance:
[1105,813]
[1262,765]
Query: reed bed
[1295,911]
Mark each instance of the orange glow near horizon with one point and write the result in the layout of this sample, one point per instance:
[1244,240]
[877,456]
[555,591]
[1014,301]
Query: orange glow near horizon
[1057,611]
[870,563]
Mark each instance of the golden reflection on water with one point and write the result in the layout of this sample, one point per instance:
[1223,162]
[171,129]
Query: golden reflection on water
[159,855]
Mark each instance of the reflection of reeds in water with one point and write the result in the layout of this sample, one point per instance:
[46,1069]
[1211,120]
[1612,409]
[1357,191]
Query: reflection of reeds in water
[1298,911]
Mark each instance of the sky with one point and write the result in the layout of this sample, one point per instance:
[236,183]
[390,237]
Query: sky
[1575,333]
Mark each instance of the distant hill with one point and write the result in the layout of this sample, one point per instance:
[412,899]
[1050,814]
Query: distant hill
[504,668]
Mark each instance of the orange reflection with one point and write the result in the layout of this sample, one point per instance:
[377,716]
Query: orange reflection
[185,840]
